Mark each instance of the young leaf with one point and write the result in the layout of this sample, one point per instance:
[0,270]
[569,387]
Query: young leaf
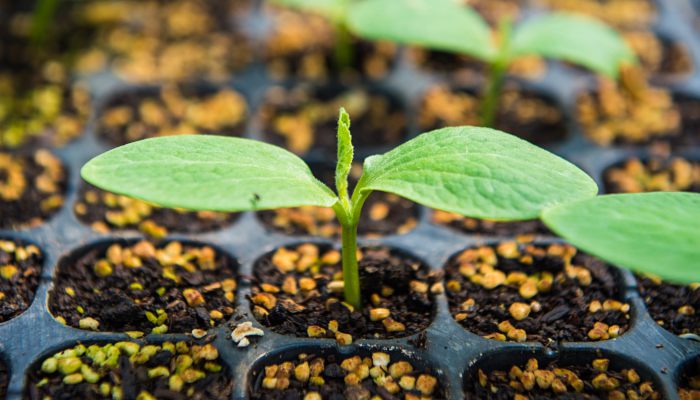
[657,233]
[573,38]
[208,173]
[477,172]
[345,154]
[437,24]
[335,10]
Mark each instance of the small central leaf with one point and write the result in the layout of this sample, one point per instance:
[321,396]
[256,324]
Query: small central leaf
[345,154]
[206,172]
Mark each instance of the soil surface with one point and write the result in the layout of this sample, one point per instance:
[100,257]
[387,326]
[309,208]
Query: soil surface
[584,382]
[20,270]
[486,227]
[383,213]
[144,288]
[334,377]
[303,45]
[127,370]
[105,211]
[689,108]
[522,113]
[299,291]
[631,112]
[153,41]
[675,307]
[689,387]
[305,118]
[47,110]
[659,57]
[522,292]
[32,187]
[141,114]
[656,174]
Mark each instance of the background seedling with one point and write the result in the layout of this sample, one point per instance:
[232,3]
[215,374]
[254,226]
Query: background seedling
[335,11]
[447,25]
[478,172]
[655,233]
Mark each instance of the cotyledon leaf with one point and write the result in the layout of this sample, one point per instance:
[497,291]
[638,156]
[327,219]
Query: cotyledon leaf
[656,233]
[574,38]
[206,172]
[438,24]
[333,9]
[477,172]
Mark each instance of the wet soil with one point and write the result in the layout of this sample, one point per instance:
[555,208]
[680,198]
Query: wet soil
[524,292]
[176,371]
[19,277]
[487,227]
[142,287]
[656,174]
[172,110]
[525,114]
[32,186]
[304,117]
[594,381]
[105,212]
[676,308]
[344,377]
[298,292]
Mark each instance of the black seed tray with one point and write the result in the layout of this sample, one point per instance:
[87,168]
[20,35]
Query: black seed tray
[451,352]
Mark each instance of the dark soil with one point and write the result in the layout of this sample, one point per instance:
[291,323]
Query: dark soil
[4,379]
[689,387]
[383,213]
[486,227]
[508,383]
[630,112]
[145,113]
[44,110]
[305,118]
[689,109]
[388,281]
[656,174]
[105,211]
[334,369]
[177,287]
[675,307]
[128,372]
[525,114]
[568,296]
[19,277]
[32,187]
[303,45]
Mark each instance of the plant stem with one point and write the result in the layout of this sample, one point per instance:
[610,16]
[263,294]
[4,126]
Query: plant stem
[492,91]
[351,273]
[343,51]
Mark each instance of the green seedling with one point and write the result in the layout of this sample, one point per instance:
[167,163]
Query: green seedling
[654,233]
[335,11]
[478,172]
[449,26]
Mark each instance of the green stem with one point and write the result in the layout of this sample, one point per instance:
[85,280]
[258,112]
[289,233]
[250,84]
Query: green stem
[351,273]
[492,91]
[349,218]
[343,51]
[492,94]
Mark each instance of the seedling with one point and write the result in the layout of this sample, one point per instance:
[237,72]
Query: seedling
[479,172]
[450,26]
[655,233]
[335,11]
